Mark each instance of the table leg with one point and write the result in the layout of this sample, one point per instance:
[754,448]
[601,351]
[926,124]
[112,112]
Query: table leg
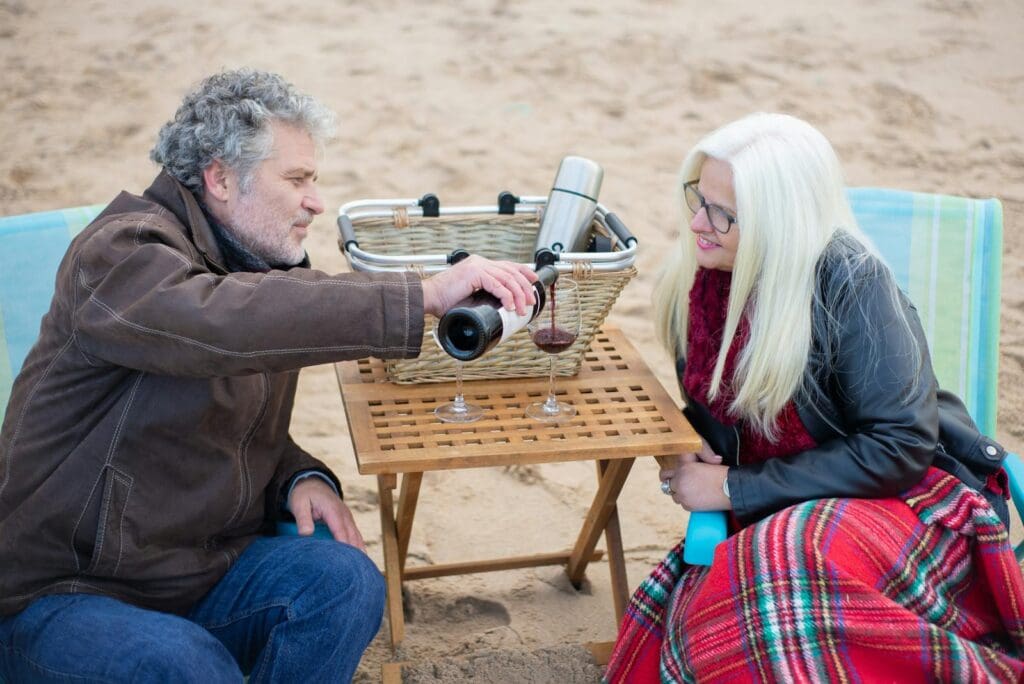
[596,521]
[616,558]
[392,567]
[407,497]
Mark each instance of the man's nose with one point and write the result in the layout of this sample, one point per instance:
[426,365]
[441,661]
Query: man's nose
[313,203]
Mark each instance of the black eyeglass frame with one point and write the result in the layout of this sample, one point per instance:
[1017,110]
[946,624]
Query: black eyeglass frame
[691,186]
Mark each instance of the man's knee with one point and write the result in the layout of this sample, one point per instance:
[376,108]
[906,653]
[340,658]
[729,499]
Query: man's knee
[349,592]
[376,590]
[352,574]
[365,603]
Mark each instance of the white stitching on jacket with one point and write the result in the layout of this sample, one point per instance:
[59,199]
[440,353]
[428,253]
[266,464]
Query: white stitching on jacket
[226,352]
[101,531]
[24,410]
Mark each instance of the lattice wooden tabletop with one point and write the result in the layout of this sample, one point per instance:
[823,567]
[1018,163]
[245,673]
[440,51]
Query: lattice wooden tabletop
[623,411]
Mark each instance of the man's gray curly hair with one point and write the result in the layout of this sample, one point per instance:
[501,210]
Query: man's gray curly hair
[227,117]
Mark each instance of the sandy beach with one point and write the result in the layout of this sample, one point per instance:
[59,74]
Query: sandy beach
[465,99]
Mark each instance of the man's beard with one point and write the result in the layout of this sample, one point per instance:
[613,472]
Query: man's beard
[266,235]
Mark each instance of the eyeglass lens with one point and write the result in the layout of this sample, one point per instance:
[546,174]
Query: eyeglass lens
[720,220]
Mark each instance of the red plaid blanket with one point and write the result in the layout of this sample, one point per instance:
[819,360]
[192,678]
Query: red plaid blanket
[921,587]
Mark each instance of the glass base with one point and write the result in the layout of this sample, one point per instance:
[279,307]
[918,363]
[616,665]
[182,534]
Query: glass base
[454,412]
[550,412]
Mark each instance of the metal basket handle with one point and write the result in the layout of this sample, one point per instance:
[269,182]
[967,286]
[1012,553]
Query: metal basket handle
[362,260]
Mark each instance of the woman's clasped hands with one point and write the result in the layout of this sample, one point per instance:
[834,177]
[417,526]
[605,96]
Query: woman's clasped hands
[696,481]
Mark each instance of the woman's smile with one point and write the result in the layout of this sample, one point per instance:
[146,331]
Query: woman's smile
[704,243]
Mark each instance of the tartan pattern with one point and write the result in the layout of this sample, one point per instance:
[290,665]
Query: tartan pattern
[844,590]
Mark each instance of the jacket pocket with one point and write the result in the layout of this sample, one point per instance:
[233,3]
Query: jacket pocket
[99,534]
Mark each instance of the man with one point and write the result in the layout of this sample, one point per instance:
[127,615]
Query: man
[145,452]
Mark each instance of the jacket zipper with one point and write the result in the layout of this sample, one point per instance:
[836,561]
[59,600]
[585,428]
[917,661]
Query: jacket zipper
[737,431]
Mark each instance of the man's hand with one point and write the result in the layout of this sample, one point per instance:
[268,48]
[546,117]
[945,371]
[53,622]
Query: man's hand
[696,481]
[313,499]
[511,283]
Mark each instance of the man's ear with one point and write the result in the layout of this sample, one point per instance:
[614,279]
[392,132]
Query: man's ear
[217,181]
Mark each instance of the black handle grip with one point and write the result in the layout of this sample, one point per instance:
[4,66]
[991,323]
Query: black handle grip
[544,257]
[507,202]
[348,232]
[620,229]
[431,205]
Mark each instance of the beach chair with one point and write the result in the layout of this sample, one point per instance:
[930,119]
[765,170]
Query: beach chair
[946,253]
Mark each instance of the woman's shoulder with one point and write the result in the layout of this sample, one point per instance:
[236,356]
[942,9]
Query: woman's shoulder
[846,266]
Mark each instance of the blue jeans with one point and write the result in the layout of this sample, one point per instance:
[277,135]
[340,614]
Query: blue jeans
[291,609]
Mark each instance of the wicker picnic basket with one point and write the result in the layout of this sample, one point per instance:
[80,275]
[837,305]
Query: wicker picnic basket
[411,234]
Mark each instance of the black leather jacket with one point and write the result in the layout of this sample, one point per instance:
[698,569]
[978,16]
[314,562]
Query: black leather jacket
[869,399]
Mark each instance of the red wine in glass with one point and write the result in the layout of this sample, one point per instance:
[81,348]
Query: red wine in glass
[553,340]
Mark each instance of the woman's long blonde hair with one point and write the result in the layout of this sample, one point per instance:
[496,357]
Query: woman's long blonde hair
[790,202]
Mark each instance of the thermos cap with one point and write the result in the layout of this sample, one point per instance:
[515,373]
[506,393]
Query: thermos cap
[580,176]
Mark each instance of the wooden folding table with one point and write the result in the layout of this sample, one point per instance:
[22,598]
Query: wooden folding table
[623,412]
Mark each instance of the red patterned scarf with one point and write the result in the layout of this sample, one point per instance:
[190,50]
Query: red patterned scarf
[709,302]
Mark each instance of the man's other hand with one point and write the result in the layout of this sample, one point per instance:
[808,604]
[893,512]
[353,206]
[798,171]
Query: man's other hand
[511,283]
[313,499]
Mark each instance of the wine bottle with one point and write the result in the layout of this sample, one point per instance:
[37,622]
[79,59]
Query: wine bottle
[478,323]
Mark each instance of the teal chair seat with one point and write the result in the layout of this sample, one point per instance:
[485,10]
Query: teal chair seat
[946,253]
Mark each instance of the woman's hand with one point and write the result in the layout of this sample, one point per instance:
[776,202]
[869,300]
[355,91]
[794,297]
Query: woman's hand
[696,481]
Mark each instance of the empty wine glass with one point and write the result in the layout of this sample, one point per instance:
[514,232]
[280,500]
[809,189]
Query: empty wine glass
[554,330]
[457,410]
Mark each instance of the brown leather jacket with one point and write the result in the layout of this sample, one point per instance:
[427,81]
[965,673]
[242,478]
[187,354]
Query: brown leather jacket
[146,439]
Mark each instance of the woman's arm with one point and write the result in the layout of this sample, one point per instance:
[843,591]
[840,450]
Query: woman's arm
[882,389]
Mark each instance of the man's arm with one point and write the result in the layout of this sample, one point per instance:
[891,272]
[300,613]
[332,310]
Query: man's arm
[149,305]
[157,311]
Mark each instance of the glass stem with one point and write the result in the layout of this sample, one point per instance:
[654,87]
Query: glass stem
[460,402]
[551,405]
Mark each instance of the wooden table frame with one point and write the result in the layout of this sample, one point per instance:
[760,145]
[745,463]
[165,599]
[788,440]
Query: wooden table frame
[623,412]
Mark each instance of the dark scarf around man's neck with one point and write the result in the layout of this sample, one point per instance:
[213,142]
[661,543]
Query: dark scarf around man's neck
[238,257]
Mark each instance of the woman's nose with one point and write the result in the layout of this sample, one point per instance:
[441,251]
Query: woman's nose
[700,223]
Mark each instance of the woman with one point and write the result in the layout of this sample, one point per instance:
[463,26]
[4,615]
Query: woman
[869,524]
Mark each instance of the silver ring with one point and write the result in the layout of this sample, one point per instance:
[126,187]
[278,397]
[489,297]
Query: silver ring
[666,487]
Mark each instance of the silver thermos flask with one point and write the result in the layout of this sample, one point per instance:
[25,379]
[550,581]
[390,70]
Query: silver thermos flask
[571,206]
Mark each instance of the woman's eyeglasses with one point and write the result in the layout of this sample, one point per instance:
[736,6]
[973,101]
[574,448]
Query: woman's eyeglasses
[720,219]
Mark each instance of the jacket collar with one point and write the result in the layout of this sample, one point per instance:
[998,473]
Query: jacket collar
[179,200]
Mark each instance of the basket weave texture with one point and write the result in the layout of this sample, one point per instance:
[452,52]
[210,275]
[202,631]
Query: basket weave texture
[495,236]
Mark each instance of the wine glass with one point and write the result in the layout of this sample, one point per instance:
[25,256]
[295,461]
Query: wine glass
[457,410]
[553,331]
